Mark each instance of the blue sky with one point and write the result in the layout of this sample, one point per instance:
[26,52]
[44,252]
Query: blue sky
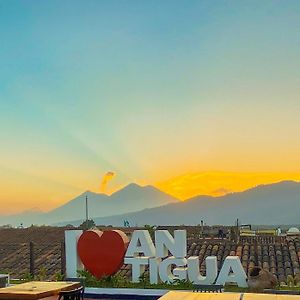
[147,89]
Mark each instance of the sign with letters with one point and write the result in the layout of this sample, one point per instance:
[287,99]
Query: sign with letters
[103,254]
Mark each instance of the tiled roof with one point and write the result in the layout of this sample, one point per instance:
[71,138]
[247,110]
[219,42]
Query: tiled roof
[15,259]
[44,234]
[47,243]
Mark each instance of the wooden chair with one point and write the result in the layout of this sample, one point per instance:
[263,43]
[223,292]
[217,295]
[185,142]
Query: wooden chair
[76,294]
[215,288]
[4,280]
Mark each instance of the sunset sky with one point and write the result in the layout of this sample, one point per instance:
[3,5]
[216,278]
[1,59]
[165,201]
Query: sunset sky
[194,97]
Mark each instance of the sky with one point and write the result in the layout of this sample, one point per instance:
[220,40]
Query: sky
[190,96]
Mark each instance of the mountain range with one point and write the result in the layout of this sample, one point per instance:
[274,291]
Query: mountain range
[277,203]
[131,198]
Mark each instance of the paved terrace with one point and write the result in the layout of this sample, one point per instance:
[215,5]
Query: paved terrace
[40,250]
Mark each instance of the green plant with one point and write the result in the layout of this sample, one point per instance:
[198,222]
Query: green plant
[4,271]
[144,279]
[87,224]
[42,274]
[116,280]
[59,277]
[120,281]
[183,283]
[28,277]
[151,230]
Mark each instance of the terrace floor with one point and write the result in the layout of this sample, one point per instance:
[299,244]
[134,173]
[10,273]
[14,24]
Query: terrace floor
[56,297]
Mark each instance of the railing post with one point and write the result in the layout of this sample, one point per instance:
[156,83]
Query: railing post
[62,258]
[31,258]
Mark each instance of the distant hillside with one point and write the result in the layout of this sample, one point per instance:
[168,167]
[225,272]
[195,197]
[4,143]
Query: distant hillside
[277,203]
[131,198]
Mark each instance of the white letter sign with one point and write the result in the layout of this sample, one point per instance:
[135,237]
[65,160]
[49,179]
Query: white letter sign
[140,243]
[168,251]
[165,272]
[232,271]
[211,270]
[164,242]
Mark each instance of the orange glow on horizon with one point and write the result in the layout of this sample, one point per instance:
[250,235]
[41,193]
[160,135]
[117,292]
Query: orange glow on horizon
[219,183]
[21,192]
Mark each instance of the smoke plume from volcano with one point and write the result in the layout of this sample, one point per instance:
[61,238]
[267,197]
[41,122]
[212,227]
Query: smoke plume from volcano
[106,178]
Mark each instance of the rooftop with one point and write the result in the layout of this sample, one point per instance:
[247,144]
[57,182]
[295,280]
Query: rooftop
[41,250]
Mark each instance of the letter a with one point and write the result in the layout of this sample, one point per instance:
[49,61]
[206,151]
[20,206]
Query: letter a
[140,243]
[232,271]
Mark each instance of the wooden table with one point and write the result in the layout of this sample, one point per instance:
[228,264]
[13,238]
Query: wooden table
[179,295]
[36,290]
[270,297]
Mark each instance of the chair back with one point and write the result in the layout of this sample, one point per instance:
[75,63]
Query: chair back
[76,294]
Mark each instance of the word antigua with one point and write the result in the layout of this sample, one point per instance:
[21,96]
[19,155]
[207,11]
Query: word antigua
[103,253]
[143,252]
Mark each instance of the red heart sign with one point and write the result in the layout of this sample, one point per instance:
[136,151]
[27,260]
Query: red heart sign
[102,253]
